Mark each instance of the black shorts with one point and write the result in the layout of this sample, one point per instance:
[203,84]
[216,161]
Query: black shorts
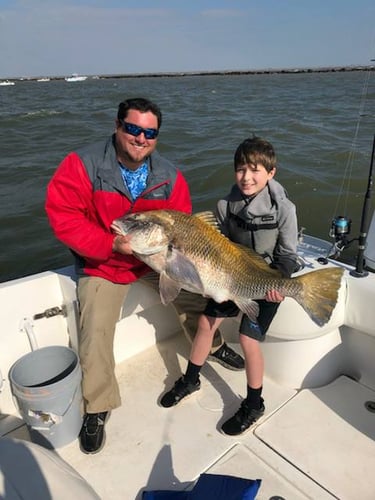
[254,329]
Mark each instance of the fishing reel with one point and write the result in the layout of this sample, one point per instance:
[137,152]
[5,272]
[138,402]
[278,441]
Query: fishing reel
[340,230]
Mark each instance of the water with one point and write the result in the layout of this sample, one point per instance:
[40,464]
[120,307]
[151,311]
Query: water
[321,125]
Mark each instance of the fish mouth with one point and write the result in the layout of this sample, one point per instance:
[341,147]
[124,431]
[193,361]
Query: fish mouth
[126,226]
[123,227]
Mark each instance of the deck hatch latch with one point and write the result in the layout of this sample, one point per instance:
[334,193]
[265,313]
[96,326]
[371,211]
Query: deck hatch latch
[370,406]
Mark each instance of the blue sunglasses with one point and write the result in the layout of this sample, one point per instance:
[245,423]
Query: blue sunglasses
[130,128]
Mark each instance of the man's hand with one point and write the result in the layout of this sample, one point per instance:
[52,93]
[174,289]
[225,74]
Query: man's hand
[121,244]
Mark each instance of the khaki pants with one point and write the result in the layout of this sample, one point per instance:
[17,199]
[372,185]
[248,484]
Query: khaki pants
[100,306]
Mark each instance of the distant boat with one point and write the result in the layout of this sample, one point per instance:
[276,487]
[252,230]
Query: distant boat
[75,78]
[6,82]
[43,80]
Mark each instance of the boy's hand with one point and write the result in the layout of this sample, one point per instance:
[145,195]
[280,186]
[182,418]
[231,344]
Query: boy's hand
[274,296]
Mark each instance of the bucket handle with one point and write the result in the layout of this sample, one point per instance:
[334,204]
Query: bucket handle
[48,416]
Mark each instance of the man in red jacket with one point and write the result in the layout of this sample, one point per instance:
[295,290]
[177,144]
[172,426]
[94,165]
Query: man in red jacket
[92,187]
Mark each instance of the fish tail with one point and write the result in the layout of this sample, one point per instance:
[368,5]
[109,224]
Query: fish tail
[319,293]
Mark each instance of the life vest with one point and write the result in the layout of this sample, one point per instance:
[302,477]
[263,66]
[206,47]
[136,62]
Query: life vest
[254,223]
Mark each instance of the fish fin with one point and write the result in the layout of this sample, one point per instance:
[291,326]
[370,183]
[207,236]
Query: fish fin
[168,288]
[319,293]
[209,218]
[180,269]
[258,261]
[250,308]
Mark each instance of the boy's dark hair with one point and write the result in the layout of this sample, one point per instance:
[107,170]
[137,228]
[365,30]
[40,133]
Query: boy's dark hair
[140,104]
[255,150]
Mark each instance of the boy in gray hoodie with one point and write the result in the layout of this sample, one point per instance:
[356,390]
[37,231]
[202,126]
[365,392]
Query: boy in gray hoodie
[258,214]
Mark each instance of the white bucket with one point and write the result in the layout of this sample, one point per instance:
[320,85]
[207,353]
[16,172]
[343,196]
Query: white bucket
[46,385]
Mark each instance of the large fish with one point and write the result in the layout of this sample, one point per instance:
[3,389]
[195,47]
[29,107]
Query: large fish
[189,252]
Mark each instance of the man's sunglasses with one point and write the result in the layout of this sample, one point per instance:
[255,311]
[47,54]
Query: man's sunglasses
[130,128]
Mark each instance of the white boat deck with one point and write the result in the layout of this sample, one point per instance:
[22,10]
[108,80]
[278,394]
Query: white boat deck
[331,433]
[315,441]
[150,447]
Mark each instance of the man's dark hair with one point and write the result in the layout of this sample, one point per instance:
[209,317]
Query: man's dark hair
[140,104]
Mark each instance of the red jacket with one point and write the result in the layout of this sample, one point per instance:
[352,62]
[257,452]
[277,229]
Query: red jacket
[87,193]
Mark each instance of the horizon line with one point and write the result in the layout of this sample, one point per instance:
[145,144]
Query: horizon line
[317,69]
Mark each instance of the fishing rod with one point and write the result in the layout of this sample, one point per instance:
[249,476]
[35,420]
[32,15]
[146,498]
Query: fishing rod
[340,226]
[340,229]
[359,271]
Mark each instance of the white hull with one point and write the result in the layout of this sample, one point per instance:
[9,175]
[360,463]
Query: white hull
[76,78]
[316,440]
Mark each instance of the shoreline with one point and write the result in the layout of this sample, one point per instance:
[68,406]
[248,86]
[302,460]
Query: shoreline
[271,71]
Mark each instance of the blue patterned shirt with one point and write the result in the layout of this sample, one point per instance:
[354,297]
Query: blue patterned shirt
[135,180]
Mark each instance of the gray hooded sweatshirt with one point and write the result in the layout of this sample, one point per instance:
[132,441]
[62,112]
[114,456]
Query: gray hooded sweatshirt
[266,223]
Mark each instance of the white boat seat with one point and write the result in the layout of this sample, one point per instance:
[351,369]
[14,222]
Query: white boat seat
[360,309]
[292,322]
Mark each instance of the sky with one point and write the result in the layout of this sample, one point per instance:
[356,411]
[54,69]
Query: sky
[104,37]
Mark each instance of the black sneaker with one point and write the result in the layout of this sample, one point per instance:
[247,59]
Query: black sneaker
[92,435]
[242,419]
[228,358]
[180,390]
